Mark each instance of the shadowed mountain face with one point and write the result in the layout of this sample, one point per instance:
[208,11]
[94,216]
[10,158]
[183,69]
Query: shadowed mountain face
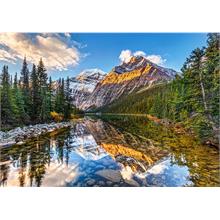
[111,151]
[138,74]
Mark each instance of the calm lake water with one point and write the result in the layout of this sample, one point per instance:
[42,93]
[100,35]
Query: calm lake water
[111,151]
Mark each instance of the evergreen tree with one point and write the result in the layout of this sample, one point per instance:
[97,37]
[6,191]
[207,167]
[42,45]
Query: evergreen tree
[26,88]
[19,102]
[212,76]
[7,116]
[50,94]
[59,103]
[43,87]
[57,96]
[68,106]
[35,94]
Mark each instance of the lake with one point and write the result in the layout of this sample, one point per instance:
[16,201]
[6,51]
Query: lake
[111,151]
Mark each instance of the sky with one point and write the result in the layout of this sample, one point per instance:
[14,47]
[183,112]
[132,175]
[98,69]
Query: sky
[67,54]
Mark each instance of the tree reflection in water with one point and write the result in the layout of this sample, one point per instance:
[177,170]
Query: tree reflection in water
[111,151]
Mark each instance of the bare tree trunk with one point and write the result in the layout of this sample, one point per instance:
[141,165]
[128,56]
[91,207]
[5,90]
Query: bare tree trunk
[205,103]
[203,92]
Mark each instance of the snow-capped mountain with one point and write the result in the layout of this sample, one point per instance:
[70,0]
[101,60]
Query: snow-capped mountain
[140,62]
[133,76]
[84,144]
[83,85]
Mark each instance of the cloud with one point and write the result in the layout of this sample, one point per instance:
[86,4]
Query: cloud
[6,56]
[140,53]
[126,55]
[157,59]
[56,50]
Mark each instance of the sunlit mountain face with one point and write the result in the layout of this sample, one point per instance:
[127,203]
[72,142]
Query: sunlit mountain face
[111,151]
[136,74]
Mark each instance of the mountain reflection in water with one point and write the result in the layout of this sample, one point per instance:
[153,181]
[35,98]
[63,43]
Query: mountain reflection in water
[111,151]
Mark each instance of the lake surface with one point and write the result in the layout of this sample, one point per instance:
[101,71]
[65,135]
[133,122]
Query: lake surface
[111,151]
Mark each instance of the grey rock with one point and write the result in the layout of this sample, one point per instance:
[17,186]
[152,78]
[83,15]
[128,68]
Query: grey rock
[90,182]
[101,183]
[109,183]
[132,182]
[112,175]
[18,135]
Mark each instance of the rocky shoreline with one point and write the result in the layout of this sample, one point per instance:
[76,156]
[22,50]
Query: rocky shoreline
[20,135]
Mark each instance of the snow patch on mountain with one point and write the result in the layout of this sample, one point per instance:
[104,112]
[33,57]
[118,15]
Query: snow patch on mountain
[84,84]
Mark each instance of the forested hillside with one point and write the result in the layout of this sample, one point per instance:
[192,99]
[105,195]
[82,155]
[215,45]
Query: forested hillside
[191,98]
[33,97]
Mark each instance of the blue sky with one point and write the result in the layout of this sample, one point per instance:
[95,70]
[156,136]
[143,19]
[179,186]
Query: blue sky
[70,53]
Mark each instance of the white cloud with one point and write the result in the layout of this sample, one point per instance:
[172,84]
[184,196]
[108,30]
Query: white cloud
[126,55]
[6,56]
[140,53]
[157,59]
[56,51]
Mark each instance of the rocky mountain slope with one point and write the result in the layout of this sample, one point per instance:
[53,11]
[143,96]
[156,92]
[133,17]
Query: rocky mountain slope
[83,85]
[137,75]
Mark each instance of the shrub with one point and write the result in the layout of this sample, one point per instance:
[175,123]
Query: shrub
[56,116]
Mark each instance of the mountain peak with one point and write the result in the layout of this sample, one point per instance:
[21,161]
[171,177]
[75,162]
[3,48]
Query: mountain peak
[135,62]
[136,59]
[90,72]
[84,83]
[136,75]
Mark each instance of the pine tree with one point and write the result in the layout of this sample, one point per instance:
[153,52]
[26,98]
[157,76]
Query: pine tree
[68,106]
[26,88]
[212,76]
[7,116]
[35,94]
[59,103]
[19,102]
[43,87]
[50,94]
[57,96]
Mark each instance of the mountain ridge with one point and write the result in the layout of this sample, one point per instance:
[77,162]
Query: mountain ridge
[125,78]
[83,85]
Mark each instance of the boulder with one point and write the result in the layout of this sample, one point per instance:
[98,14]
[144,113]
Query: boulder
[111,175]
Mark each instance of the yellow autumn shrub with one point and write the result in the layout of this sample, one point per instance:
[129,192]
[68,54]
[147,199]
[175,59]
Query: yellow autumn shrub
[56,116]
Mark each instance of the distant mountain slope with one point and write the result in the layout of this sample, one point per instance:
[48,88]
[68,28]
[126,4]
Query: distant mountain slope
[137,74]
[83,85]
[150,101]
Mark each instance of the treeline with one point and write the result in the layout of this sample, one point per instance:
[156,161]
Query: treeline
[33,96]
[191,98]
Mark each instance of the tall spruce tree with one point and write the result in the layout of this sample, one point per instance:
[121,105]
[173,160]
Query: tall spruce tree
[25,86]
[43,87]
[50,95]
[7,111]
[19,102]
[60,97]
[67,106]
[212,76]
[35,94]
